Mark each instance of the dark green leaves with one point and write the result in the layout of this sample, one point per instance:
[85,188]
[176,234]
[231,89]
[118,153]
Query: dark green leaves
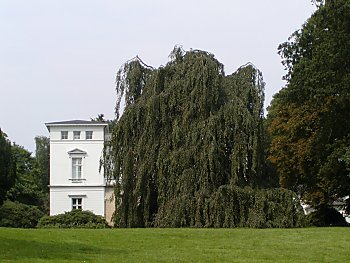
[186,131]
[309,118]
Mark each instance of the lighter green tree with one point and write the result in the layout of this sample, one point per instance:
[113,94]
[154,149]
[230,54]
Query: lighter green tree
[309,118]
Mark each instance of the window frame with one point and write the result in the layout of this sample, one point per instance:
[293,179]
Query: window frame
[76,135]
[77,169]
[75,155]
[90,133]
[64,135]
[77,203]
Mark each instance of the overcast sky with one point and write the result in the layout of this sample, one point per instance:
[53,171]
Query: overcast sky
[59,58]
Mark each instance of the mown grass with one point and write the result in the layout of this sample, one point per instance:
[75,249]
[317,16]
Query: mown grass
[175,245]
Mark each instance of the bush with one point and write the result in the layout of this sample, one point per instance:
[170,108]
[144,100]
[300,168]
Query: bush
[326,216]
[14,214]
[73,219]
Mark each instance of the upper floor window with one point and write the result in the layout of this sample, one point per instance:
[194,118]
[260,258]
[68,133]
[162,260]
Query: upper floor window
[76,168]
[76,135]
[88,135]
[64,135]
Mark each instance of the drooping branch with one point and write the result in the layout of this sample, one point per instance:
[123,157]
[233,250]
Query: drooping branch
[130,81]
[188,134]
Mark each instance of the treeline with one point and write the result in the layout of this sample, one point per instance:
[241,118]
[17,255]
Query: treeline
[193,148]
[24,183]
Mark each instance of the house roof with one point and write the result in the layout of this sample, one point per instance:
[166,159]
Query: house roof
[75,123]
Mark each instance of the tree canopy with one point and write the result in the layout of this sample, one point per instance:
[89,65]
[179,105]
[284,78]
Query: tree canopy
[28,187]
[42,144]
[7,166]
[189,135]
[23,187]
[310,118]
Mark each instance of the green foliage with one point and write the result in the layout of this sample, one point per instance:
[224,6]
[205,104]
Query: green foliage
[235,207]
[42,152]
[28,187]
[15,214]
[188,133]
[326,216]
[7,166]
[100,118]
[21,186]
[73,219]
[309,118]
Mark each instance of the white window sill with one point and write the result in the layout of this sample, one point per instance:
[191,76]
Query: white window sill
[80,180]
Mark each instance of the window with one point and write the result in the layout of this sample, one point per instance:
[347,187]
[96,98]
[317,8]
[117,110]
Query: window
[76,168]
[88,135]
[64,135]
[77,203]
[76,135]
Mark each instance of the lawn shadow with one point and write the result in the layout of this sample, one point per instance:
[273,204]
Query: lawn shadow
[23,251]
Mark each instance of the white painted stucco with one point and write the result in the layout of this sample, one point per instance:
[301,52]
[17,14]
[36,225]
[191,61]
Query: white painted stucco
[91,187]
[92,197]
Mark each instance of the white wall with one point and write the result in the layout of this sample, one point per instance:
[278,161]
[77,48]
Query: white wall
[92,197]
[55,132]
[62,188]
[61,161]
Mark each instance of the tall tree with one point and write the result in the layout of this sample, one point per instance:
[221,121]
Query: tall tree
[310,118]
[28,186]
[187,130]
[42,152]
[7,166]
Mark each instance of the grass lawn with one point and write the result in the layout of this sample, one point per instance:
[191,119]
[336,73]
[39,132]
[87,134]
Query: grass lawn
[175,245]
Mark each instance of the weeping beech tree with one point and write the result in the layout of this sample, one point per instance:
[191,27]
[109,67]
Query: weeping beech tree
[187,150]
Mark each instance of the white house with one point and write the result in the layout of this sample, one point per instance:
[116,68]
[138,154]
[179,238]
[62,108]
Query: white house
[76,181]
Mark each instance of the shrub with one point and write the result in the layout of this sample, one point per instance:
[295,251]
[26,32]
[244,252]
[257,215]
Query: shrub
[73,219]
[326,216]
[14,214]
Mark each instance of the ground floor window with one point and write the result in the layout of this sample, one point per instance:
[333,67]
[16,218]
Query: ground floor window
[77,203]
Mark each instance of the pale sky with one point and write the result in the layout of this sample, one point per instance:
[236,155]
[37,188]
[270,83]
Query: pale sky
[59,58]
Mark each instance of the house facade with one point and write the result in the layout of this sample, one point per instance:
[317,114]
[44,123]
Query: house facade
[76,180]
